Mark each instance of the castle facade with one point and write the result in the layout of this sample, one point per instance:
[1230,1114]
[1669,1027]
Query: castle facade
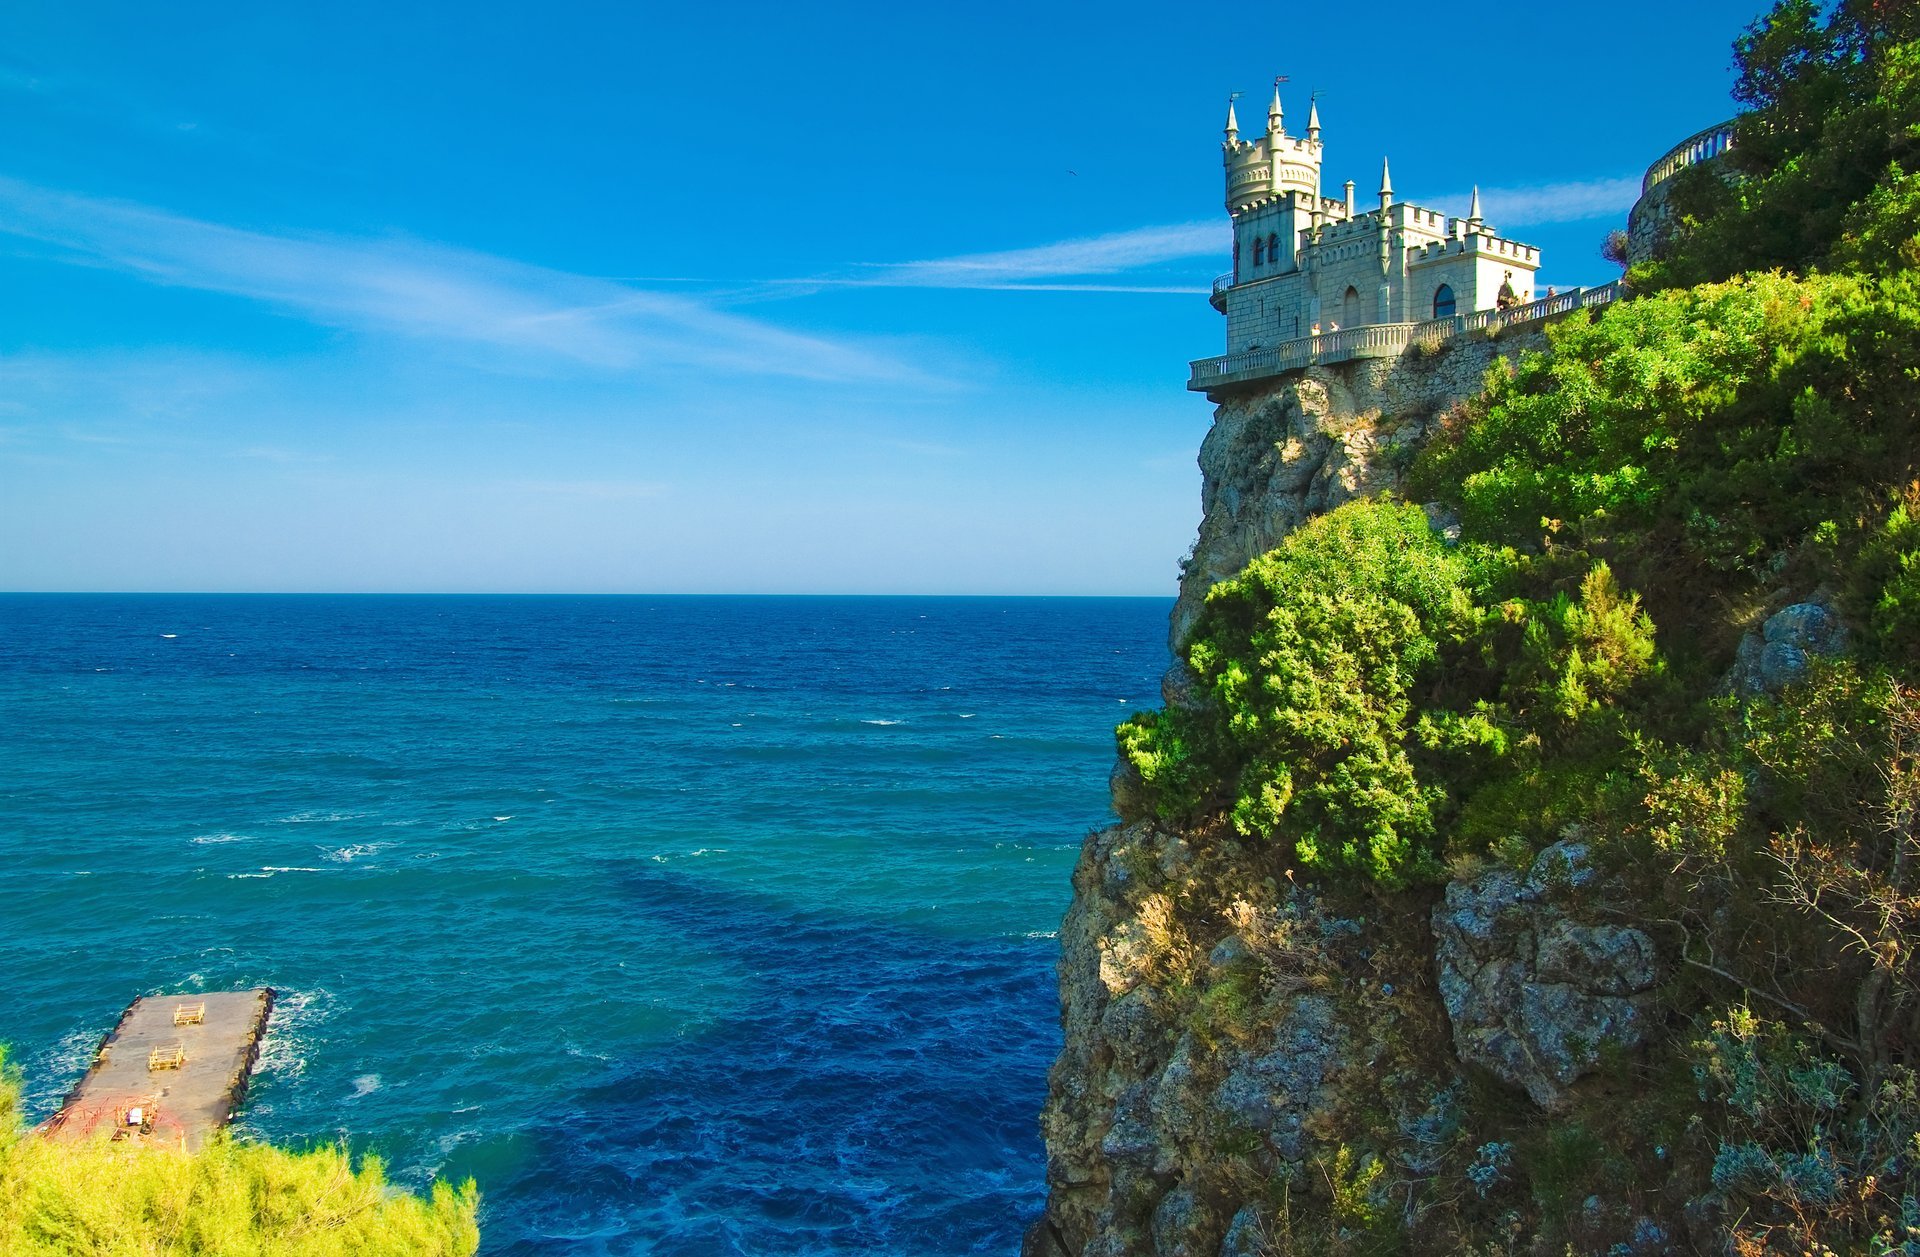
[1307,265]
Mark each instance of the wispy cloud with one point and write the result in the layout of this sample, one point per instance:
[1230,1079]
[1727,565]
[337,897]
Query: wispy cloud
[1114,253]
[431,292]
[1073,265]
[1550,202]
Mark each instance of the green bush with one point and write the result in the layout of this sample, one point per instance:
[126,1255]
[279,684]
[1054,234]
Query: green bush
[1309,658]
[1884,585]
[61,1199]
[1710,429]
[1361,688]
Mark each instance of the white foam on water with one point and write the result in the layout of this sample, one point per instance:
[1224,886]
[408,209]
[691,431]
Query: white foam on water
[291,1031]
[289,868]
[503,819]
[169,636]
[348,854]
[880,722]
[208,840]
[317,817]
[365,1084]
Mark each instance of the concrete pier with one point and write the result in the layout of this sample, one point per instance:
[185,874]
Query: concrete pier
[171,1073]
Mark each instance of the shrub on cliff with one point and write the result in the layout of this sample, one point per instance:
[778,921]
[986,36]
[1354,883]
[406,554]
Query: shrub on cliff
[1696,437]
[99,1197]
[1310,656]
[1362,686]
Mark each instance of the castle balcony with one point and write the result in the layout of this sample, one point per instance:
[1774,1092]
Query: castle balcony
[1220,286]
[1383,340]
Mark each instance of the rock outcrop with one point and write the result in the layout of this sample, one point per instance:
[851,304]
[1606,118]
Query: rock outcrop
[1534,994]
[1777,653]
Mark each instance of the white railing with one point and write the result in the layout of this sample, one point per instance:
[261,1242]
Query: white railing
[1219,298]
[1701,146]
[1385,340]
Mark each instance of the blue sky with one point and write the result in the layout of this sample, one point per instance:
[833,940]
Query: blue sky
[765,298]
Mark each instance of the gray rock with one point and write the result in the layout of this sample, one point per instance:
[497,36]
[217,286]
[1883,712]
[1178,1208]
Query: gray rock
[1275,1093]
[1126,790]
[1174,1221]
[1442,520]
[1246,1235]
[1180,687]
[1130,1030]
[1131,1140]
[1228,952]
[1534,995]
[1777,653]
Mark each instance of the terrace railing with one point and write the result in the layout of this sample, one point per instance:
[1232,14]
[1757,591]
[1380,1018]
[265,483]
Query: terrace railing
[1384,340]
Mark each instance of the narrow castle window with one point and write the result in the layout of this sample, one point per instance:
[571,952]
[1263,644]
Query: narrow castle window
[1273,247]
[1443,303]
[1258,245]
[1350,308]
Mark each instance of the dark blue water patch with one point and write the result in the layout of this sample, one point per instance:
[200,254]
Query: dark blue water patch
[684,925]
[865,1095]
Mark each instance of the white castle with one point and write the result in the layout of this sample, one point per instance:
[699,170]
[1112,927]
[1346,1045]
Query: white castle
[1306,265]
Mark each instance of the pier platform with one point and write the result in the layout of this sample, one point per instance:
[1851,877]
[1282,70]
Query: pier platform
[171,1073]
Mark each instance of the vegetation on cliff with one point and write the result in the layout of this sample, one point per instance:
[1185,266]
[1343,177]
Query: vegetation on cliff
[229,1199]
[1386,709]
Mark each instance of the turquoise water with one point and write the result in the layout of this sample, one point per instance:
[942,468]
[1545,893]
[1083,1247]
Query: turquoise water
[684,925]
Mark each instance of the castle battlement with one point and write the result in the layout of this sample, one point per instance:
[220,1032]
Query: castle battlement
[1305,263]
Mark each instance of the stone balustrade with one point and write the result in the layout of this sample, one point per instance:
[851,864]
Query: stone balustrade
[1384,340]
[1701,146]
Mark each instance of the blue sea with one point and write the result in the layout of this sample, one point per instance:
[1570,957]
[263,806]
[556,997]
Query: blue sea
[683,925]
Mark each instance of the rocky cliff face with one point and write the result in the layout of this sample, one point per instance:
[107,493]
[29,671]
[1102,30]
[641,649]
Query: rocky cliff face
[1252,1064]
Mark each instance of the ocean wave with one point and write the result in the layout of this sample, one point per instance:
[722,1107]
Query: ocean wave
[348,854]
[292,1030]
[882,722]
[207,840]
[317,817]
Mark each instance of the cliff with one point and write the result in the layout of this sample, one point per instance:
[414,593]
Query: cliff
[1233,1033]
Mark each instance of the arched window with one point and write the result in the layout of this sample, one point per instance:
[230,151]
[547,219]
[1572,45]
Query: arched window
[1258,245]
[1273,247]
[1443,303]
[1350,309]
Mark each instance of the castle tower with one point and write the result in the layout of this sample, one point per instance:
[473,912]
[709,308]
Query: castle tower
[1304,264]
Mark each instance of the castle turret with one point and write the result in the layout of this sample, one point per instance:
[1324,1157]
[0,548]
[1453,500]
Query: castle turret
[1313,120]
[1276,117]
[1386,187]
[1233,124]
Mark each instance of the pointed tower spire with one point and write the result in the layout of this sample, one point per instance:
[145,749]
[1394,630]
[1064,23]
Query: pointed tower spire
[1473,210]
[1386,184]
[1276,118]
[1233,123]
[1313,119]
